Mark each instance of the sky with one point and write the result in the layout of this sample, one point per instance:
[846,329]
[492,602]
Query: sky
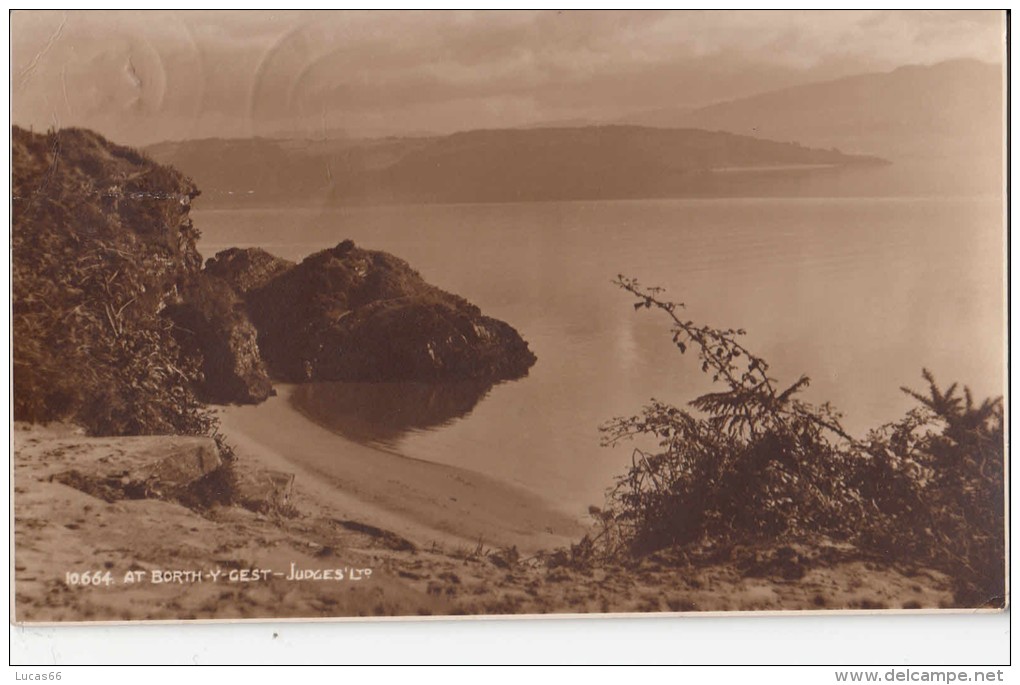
[141,77]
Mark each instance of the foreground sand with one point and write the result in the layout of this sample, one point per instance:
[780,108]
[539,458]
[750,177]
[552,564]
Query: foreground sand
[59,529]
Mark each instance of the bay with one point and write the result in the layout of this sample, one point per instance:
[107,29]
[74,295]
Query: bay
[859,293]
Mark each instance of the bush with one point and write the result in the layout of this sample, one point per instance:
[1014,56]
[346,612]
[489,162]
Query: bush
[755,464]
[101,241]
[937,482]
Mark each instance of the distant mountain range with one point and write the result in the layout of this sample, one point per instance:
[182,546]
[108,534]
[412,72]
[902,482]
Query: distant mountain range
[947,109]
[504,165]
[943,121]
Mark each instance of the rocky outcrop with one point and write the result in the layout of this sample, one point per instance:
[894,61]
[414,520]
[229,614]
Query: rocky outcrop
[187,470]
[246,269]
[115,325]
[118,328]
[210,324]
[170,467]
[360,315]
[101,242]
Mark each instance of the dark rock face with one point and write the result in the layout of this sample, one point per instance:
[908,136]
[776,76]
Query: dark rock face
[361,315]
[211,324]
[246,269]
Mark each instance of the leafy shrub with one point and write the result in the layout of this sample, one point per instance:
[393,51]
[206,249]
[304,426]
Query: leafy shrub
[936,479]
[101,240]
[753,463]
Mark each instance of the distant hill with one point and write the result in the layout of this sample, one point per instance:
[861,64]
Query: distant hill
[947,110]
[503,165]
[590,162]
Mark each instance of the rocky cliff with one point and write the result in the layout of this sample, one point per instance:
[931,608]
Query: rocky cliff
[102,249]
[210,324]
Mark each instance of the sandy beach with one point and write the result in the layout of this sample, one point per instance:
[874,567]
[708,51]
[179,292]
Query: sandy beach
[186,564]
[422,501]
[414,567]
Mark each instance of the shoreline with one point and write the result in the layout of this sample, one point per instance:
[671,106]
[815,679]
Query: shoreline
[62,530]
[426,502]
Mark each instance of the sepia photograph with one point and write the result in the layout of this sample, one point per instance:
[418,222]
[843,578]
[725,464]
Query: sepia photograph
[388,313]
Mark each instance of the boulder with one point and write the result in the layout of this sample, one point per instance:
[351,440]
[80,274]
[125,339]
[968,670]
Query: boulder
[246,269]
[263,490]
[163,467]
[361,315]
[210,323]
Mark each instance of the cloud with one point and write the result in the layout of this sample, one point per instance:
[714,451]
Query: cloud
[140,76]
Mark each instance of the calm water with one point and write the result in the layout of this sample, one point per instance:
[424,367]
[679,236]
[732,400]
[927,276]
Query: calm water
[858,293]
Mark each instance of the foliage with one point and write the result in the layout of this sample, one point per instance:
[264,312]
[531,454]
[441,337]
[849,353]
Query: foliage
[754,463]
[936,479]
[101,240]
